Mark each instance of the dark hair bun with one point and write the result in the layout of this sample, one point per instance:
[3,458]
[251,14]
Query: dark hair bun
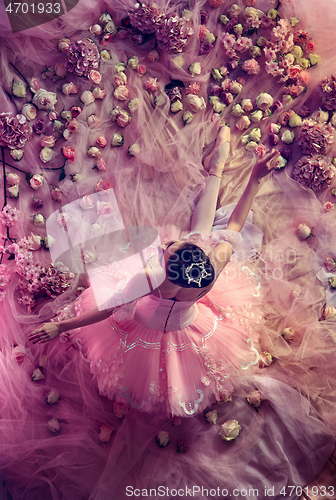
[190,267]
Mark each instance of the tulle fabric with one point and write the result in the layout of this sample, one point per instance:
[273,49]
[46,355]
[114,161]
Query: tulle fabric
[286,442]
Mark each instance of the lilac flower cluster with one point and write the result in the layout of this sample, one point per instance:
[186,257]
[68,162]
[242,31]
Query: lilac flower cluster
[315,137]
[327,90]
[172,32]
[314,172]
[14,131]
[82,57]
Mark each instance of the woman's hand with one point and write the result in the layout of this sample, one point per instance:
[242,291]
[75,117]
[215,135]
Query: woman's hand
[46,332]
[265,166]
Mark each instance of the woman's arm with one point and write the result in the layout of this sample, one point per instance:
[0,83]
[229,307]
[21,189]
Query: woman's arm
[260,169]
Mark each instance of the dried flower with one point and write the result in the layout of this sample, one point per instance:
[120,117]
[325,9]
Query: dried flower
[174,33]
[182,446]
[14,131]
[82,57]
[146,17]
[315,137]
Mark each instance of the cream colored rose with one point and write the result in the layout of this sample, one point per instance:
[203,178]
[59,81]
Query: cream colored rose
[105,433]
[162,439]
[18,89]
[87,97]
[314,59]
[34,242]
[288,333]
[94,152]
[195,69]
[234,10]
[251,146]
[187,117]
[37,375]
[195,103]
[46,154]
[229,430]
[53,425]
[105,55]
[264,101]
[133,104]
[160,100]
[120,67]
[243,123]
[29,111]
[237,110]
[304,231]
[321,116]
[52,397]
[179,61]
[256,116]
[39,220]
[288,137]
[254,399]
[247,105]
[286,99]
[211,416]
[297,51]
[176,106]
[134,149]
[252,13]
[49,241]
[117,140]
[45,100]
[218,106]
[209,37]
[16,154]
[295,121]
[255,134]
[98,93]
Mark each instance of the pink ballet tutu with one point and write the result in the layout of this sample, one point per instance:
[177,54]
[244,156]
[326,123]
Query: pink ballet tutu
[180,371]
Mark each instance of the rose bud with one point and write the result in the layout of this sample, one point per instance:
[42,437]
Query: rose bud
[36,181]
[243,123]
[134,149]
[16,154]
[105,55]
[57,126]
[95,77]
[67,134]
[103,185]
[133,62]
[254,399]
[69,88]
[211,416]
[56,194]
[52,397]
[98,93]
[121,93]
[153,55]
[37,203]
[265,359]
[66,115]
[195,69]
[69,153]
[288,334]
[37,375]
[162,439]
[34,85]
[86,202]
[49,241]
[105,433]
[304,232]
[187,117]
[117,140]
[54,425]
[94,152]
[328,206]
[12,192]
[96,29]
[120,79]
[96,228]
[123,119]
[330,264]
[224,397]
[120,409]
[329,312]
[182,446]
[176,106]
[101,141]
[87,97]
[75,111]
[48,141]
[12,179]
[105,18]
[64,44]
[133,104]
[92,121]
[120,67]
[332,282]
[229,430]
[60,70]
[39,220]
[18,353]
[141,69]
[101,164]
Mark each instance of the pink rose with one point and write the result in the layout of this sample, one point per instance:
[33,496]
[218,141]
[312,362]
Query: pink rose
[60,69]
[69,153]
[105,433]
[64,44]
[250,3]
[75,111]
[69,88]
[123,119]
[328,206]
[48,141]
[311,45]
[101,141]
[52,116]
[95,76]
[92,121]
[330,264]
[34,242]
[63,219]
[56,194]
[141,69]
[18,353]
[121,93]
[265,359]
[120,79]
[86,202]
[251,66]
[36,181]
[153,55]
[254,398]
[294,72]
[94,152]
[304,78]
[101,164]
[260,150]
[120,409]
[72,125]
[104,208]
[34,85]
[98,93]
[103,185]
[152,85]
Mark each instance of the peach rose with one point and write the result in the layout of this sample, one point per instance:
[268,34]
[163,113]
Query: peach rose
[121,93]
[36,181]
[95,76]
[69,88]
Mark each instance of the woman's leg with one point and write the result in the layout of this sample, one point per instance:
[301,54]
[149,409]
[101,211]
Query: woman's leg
[204,213]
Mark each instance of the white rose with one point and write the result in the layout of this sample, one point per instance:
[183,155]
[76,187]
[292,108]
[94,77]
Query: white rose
[320,116]
[29,111]
[251,146]
[176,106]
[45,100]
[187,117]
[244,139]
[98,93]
[211,416]
[54,425]
[280,163]
[256,116]
[218,106]
[49,241]
[39,220]
[247,105]
[16,154]
[96,228]
[195,103]
[251,12]
[34,242]
[134,149]
[94,152]
[105,18]
[46,154]
[288,136]
[229,430]
[295,121]
[237,110]
[243,123]
[264,101]
[133,104]
[87,97]
[179,61]
[37,375]
[255,134]
[105,55]
[162,439]
[288,333]
[52,397]
[236,87]
[234,10]
[117,140]
[304,231]
[119,67]
[195,69]
[12,191]
[160,100]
